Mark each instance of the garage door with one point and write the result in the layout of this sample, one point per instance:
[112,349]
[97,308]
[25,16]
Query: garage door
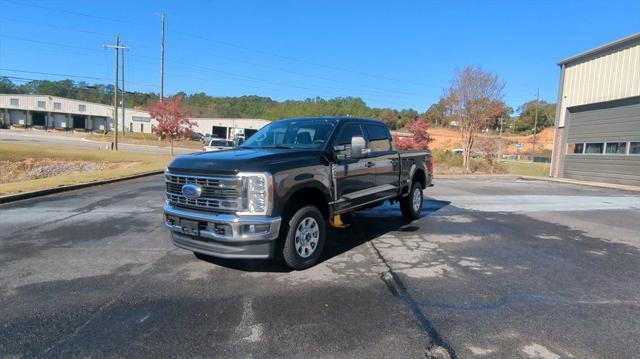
[603,142]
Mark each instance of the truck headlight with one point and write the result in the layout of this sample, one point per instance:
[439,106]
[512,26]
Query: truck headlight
[257,193]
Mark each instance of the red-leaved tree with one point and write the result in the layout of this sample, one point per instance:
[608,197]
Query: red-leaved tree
[419,128]
[172,119]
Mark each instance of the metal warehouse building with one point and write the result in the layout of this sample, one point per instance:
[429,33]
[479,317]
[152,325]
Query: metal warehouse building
[597,129]
[63,114]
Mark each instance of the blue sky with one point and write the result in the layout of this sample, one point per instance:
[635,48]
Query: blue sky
[395,54]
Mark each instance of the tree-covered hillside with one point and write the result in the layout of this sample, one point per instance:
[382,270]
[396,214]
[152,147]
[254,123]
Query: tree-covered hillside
[203,105]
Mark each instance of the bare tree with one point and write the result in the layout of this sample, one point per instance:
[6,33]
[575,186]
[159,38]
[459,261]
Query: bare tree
[475,100]
[488,147]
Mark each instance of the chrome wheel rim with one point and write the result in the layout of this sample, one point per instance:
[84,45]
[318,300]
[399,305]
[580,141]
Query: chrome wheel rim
[307,236]
[416,199]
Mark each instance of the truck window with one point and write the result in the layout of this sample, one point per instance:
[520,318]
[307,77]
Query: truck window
[349,130]
[379,140]
[303,133]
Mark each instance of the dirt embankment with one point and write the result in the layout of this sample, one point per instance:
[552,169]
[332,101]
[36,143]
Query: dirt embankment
[31,168]
[449,138]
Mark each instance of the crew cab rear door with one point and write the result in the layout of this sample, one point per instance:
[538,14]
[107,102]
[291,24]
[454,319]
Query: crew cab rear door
[355,177]
[384,159]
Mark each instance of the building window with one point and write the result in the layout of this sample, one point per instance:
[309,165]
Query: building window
[616,148]
[575,148]
[57,106]
[42,104]
[14,102]
[82,108]
[594,148]
[634,148]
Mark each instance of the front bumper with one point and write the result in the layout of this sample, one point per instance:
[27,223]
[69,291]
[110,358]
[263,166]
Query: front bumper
[222,235]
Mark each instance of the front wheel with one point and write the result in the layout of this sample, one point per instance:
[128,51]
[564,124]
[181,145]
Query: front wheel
[304,238]
[411,206]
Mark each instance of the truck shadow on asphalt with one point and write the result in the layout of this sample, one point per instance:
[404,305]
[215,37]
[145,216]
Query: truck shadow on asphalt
[364,226]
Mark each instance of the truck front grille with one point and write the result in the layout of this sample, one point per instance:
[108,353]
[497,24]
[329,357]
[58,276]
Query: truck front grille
[219,194]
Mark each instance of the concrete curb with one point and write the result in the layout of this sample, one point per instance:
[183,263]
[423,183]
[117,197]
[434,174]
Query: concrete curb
[548,179]
[47,191]
[472,176]
[583,183]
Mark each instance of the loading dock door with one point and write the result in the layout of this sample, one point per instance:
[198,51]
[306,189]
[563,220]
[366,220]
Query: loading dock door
[597,124]
[248,132]
[39,119]
[79,122]
[219,131]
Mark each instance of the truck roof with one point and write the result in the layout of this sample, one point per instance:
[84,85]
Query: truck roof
[336,118]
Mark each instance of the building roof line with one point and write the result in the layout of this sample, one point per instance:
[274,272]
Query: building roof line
[602,48]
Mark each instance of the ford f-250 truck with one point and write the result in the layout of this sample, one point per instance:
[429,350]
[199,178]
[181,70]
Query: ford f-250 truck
[273,195]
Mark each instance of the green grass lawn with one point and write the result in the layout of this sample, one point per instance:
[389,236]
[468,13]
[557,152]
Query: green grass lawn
[526,168]
[139,138]
[145,163]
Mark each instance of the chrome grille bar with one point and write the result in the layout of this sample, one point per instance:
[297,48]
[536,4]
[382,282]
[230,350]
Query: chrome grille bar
[220,194]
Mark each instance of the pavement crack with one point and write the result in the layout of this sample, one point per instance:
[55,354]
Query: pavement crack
[130,285]
[437,347]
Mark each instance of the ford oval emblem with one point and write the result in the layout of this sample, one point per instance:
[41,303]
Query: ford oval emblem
[191,191]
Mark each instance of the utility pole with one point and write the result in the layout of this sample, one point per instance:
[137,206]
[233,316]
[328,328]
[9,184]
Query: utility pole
[500,141]
[535,122]
[162,61]
[123,93]
[116,47]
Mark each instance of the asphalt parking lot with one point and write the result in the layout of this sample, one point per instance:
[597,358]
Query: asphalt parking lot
[494,268]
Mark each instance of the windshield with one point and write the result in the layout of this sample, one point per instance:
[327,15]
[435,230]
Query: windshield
[303,133]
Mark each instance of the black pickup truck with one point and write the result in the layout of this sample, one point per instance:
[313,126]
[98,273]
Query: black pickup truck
[274,195]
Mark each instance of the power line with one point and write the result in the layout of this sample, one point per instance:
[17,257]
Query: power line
[71,12]
[232,74]
[72,76]
[54,26]
[335,68]
[54,74]
[369,88]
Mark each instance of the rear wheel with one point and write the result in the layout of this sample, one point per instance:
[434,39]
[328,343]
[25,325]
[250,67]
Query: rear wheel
[305,238]
[411,206]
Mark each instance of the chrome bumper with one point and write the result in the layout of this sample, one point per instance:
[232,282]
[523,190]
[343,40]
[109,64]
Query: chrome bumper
[223,235]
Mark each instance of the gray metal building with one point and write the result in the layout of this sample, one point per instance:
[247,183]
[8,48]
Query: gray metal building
[597,129]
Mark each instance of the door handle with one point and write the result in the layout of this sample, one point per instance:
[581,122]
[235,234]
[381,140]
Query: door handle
[370,164]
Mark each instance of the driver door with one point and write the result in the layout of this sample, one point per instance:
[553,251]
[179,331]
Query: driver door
[354,176]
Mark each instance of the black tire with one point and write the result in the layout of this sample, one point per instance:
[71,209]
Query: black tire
[406,203]
[290,252]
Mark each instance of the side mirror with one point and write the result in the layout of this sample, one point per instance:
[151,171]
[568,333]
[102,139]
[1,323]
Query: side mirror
[359,147]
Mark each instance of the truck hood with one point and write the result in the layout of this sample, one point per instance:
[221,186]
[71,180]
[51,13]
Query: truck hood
[231,162]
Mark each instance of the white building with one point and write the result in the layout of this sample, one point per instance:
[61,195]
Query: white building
[63,114]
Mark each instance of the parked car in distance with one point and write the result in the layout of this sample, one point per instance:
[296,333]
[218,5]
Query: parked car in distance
[273,196]
[218,144]
[197,136]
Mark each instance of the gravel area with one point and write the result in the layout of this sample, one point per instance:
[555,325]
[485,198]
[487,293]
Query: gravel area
[31,168]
